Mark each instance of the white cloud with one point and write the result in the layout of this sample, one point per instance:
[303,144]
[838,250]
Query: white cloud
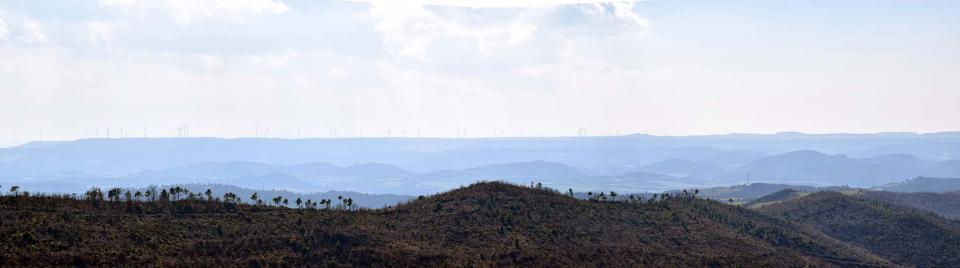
[620,11]
[186,11]
[410,28]
[336,72]
[100,33]
[497,3]
[33,32]
[4,31]
[272,59]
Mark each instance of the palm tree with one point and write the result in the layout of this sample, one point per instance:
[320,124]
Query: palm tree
[349,203]
[285,203]
[137,195]
[570,191]
[300,201]
[276,200]
[209,194]
[15,190]
[613,195]
[255,198]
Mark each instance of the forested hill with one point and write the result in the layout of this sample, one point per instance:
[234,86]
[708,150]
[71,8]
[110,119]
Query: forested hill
[486,224]
[901,234]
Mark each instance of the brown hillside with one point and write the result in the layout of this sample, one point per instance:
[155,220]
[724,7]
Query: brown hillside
[900,234]
[487,224]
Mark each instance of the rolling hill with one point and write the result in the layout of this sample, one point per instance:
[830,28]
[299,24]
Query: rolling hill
[486,224]
[903,235]
[945,205]
[923,184]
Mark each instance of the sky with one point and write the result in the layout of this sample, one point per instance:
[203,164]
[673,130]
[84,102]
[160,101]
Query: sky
[74,69]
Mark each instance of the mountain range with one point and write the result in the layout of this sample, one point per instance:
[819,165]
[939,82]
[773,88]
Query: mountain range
[414,166]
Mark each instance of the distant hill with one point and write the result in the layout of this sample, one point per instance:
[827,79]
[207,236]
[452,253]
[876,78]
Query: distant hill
[923,184]
[359,199]
[903,235]
[684,168]
[813,166]
[120,160]
[777,197]
[748,192]
[533,169]
[946,205]
[487,224]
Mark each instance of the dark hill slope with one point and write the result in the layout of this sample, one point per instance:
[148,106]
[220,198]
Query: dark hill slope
[487,224]
[945,205]
[779,196]
[900,234]
[533,226]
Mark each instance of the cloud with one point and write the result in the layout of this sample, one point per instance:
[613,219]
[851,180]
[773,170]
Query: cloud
[100,33]
[619,11]
[499,3]
[4,31]
[336,72]
[410,28]
[33,32]
[184,12]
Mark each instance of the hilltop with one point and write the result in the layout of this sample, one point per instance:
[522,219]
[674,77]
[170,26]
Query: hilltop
[485,224]
[901,234]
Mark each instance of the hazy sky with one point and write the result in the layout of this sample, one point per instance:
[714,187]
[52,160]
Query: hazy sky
[226,68]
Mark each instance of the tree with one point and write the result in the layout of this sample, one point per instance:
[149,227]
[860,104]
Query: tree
[209,194]
[230,197]
[255,198]
[276,200]
[94,194]
[613,195]
[137,195]
[149,195]
[15,190]
[570,191]
[164,195]
[114,194]
[285,202]
[349,203]
[301,201]
[152,192]
[128,196]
